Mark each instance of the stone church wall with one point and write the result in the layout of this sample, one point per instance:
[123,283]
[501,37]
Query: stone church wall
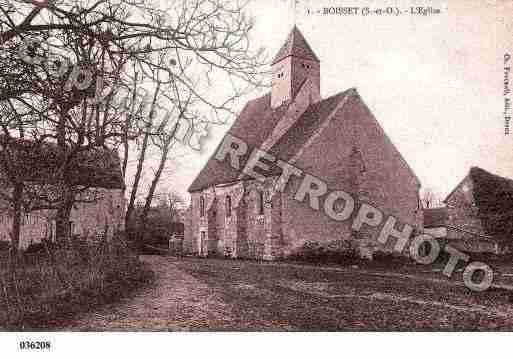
[392,186]
[382,176]
[327,158]
[244,232]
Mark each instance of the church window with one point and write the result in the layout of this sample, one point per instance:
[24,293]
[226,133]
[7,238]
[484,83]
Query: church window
[228,206]
[261,203]
[202,207]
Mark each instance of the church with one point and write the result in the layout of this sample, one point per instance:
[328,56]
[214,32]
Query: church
[336,139]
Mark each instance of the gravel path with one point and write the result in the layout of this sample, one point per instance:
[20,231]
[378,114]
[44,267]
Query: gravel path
[177,302]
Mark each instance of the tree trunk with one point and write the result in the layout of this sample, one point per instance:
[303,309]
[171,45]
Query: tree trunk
[154,182]
[128,124]
[62,227]
[129,222]
[17,196]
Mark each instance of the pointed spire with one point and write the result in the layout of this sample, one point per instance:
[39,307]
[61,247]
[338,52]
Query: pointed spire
[296,45]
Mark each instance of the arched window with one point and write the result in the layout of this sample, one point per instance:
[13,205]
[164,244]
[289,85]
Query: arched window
[261,203]
[228,206]
[202,206]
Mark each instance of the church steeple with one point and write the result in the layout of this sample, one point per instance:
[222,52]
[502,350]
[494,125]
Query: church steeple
[292,65]
[296,45]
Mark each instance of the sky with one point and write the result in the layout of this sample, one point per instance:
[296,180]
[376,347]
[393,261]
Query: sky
[434,83]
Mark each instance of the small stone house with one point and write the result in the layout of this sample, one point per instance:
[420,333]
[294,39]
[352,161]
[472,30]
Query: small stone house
[435,221]
[336,139]
[101,205]
[480,213]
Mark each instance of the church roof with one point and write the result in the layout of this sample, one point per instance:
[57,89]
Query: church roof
[303,129]
[255,124]
[296,45]
[258,119]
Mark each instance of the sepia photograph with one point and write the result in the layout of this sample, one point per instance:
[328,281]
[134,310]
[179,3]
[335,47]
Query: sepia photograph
[291,176]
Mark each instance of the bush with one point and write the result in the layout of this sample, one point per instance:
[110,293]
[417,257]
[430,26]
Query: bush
[5,246]
[48,286]
[338,252]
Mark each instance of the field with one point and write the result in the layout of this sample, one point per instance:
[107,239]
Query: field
[213,294]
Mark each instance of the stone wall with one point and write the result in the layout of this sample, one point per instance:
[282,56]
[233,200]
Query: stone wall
[87,219]
[390,184]
[462,211]
[465,230]
[470,243]
[303,69]
[256,231]
[243,233]
[280,82]
[436,232]
[187,246]
[352,154]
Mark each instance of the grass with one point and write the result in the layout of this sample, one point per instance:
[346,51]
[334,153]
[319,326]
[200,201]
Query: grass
[49,287]
[301,297]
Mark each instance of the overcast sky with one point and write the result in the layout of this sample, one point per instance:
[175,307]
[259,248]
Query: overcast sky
[434,83]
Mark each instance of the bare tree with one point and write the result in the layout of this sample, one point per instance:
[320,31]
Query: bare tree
[430,198]
[193,47]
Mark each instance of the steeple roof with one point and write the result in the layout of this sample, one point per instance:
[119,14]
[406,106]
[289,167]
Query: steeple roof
[296,45]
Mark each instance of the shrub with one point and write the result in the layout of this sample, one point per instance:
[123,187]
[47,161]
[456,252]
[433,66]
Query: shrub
[48,286]
[338,251]
[5,246]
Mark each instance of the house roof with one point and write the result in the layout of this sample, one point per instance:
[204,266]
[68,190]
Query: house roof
[493,196]
[435,217]
[33,162]
[295,45]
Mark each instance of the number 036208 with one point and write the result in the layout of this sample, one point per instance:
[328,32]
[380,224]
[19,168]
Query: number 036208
[36,345]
